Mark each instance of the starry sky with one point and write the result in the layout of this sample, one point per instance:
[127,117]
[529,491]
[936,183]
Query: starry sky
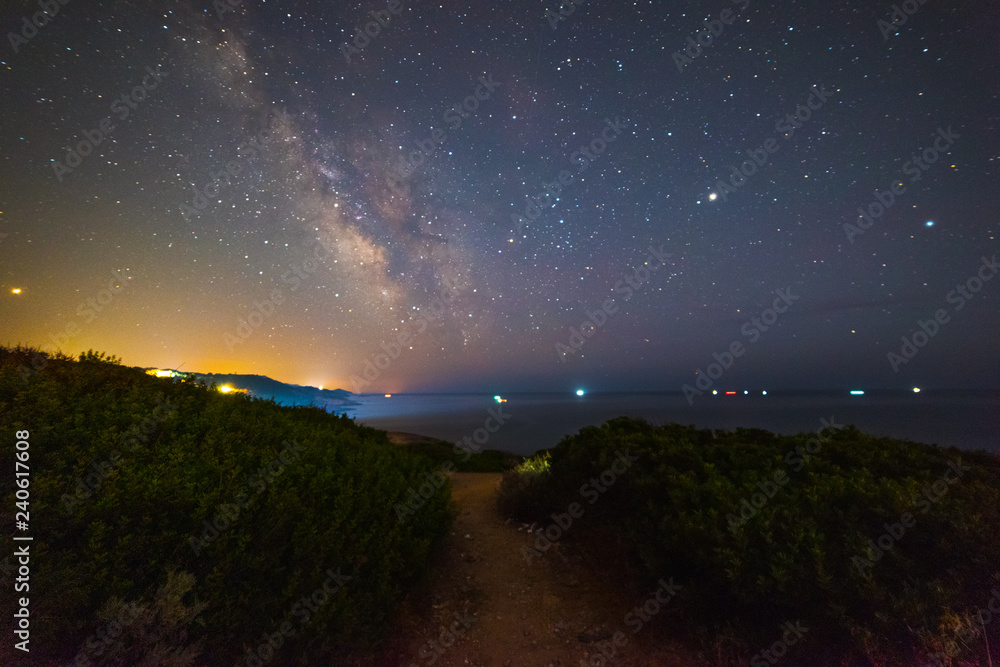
[261,187]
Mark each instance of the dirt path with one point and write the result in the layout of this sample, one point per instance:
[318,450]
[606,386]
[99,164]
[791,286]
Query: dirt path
[484,604]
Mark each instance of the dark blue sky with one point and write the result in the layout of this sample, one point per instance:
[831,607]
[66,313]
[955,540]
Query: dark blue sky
[390,217]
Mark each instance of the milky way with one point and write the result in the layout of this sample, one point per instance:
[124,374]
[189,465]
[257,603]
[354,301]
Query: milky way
[295,197]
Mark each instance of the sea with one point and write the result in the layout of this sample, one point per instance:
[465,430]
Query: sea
[527,422]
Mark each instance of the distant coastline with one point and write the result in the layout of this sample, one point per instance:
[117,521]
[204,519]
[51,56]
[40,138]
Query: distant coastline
[966,419]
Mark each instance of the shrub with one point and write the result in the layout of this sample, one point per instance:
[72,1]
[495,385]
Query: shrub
[805,553]
[525,491]
[135,476]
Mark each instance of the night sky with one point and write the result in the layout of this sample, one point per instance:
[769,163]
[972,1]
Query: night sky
[361,196]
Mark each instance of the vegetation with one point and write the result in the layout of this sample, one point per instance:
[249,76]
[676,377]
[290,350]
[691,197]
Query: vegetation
[487,460]
[885,549]
[175,525]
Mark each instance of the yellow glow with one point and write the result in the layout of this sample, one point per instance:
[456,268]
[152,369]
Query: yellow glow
[16,290]
[388,395]
[225,389]
[321,387]
[712,197]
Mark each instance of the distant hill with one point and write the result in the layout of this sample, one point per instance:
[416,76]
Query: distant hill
[261,386]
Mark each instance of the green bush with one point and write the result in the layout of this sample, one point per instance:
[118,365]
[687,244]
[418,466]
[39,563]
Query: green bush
[802,555]
[487,460]
[525,491]
[126,469]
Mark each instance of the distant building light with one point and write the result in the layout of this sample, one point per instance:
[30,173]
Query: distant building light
[579,392]
[388,395]
[714,392]
[916,390]
[764,392]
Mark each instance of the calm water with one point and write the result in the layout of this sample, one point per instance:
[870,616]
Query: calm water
[967,420]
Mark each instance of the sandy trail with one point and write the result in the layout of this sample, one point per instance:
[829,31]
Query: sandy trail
[484,604]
